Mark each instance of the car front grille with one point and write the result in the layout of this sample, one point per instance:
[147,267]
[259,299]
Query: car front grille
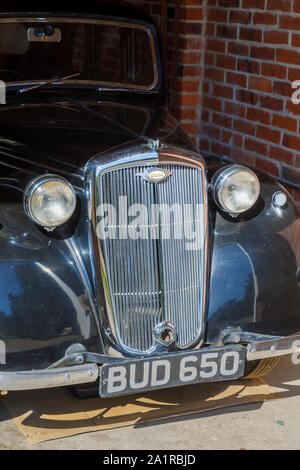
[154,278]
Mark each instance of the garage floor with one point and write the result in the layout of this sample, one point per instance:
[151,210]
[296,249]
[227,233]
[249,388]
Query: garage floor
[269,425]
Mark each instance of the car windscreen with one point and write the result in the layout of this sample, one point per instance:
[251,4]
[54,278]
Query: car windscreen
[108,53]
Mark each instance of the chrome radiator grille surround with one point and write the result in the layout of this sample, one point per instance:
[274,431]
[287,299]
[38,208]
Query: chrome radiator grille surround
[154,279]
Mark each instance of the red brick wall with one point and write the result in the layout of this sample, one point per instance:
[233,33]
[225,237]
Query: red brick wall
[252,58]
[230,66]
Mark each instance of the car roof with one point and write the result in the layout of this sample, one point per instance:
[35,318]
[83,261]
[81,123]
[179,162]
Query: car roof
[87,7]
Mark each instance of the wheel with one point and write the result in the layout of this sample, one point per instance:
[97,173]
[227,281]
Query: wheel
[255,369]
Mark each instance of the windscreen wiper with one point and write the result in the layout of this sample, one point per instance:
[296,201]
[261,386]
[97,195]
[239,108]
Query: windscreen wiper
[48,82]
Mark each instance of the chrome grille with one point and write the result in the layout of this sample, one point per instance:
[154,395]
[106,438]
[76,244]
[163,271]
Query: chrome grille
[153,280]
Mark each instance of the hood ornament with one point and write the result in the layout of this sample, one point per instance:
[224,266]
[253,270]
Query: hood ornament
[155,175]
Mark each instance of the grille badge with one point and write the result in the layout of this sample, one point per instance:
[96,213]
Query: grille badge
[155,175]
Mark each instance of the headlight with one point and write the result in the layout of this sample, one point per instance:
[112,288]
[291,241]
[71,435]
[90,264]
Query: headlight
[236,189]
[49,201]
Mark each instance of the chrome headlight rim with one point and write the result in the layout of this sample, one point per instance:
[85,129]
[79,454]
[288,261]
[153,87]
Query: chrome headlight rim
[30,189]
[218,180]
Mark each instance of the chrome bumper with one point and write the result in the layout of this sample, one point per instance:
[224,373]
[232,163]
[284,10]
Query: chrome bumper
[48,378]
[279,346]
[88,373]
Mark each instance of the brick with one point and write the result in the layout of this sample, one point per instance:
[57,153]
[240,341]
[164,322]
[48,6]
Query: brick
[260,84]
[250,34]
[190,57]
[238,48]
[188,114]
[275,104]
[258,115]
[291,141]
[223,91]
[191,43]
[211,131]
[215,45]
[235,109]
[239,16]
[253,4]
[288,56]
[293,74]
[265,133]
[280,5]
[229,3]
[189,27]
[189,70]
[267,166]
[190,85]
[244,127]
[209,58]
[212,103]
[282,88]
[222,121]
[296,8]
[205,116]
[217,15]
[273,70]
[191,128]
[281,154]
[236,79]
[191,13]
[228,32]
[226,61]
[264,18]
[246,96]
[285,122]
[296,40]
[289,22]
[266,53]
[228,137]
[191,99]
[210,29]
[248,66]
[255,146]
[215,74]
[206,86]
[221,150]
[276,37]
[204,145]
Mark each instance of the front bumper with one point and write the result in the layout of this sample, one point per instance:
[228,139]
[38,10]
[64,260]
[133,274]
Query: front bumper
[88,373]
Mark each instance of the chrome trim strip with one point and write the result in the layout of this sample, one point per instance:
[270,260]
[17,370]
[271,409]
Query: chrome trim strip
[124,24]
[273,348]
[48,378]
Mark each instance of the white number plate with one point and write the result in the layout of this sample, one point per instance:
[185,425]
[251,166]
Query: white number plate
[171,370]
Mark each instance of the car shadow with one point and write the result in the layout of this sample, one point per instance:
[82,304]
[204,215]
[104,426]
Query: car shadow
[56,412]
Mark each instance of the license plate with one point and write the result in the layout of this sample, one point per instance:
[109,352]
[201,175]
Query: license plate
[172,370]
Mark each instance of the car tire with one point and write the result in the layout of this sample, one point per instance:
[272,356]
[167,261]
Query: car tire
[255,369]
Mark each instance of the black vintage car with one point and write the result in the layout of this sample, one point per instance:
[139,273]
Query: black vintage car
[127,260]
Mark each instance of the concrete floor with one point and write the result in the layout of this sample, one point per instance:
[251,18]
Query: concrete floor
[269,425]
